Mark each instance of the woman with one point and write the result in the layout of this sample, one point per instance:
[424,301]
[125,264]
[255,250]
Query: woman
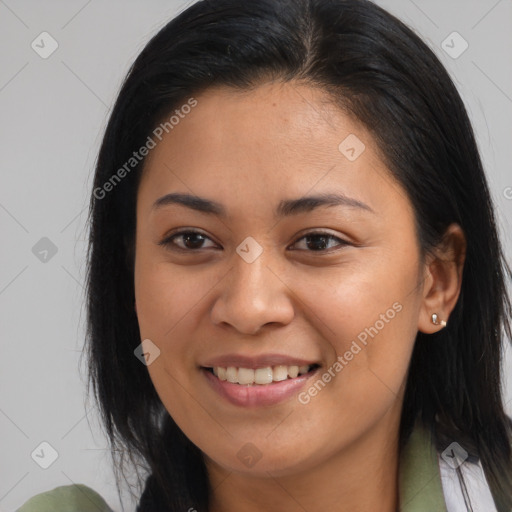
[296,291]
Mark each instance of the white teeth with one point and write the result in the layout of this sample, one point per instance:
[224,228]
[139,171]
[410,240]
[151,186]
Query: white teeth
[248,376]
[245,376]
[263,375]
[293,371]
[232,374]
[280,372]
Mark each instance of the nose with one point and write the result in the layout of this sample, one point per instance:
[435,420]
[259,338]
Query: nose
[251,296]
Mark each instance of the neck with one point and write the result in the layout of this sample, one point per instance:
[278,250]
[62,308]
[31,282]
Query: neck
[361,477]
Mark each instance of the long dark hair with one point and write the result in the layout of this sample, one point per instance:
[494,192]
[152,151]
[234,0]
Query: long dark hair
[378,70]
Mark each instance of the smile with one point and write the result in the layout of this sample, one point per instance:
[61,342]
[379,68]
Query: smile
[259,376]
[256,387]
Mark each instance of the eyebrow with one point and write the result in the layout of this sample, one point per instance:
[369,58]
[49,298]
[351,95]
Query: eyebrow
[285,208]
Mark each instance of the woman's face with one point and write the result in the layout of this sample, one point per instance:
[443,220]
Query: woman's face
[273,283]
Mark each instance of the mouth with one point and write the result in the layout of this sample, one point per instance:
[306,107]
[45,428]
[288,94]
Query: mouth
[260,376]
[258,387]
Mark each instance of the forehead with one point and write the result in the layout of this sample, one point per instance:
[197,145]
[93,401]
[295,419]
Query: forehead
[258,145]
[261,122]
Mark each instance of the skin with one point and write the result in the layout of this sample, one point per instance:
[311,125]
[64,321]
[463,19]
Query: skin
[249,150]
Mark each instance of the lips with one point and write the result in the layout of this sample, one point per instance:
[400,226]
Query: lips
[260,380]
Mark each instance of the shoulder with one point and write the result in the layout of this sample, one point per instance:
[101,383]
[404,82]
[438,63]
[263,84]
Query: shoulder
[66,498]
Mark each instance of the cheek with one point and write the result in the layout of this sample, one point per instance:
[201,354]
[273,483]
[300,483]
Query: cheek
[165,294]
[166,301]
[359,297]
[369,320]
[172,305]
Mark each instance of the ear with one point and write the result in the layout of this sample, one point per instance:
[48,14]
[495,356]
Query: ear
[442,279]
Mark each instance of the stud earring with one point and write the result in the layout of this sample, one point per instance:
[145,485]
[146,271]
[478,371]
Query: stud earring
[436,321]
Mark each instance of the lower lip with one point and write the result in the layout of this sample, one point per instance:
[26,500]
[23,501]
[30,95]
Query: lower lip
[257,394]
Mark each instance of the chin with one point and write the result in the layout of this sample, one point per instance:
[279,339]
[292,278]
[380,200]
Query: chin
[250,461]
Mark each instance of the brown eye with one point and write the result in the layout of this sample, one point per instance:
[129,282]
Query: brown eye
[319,241]
[190,240]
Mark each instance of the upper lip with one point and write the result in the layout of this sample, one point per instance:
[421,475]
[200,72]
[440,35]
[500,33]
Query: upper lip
[254,362]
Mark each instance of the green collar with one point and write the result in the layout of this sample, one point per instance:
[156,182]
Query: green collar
[420,488]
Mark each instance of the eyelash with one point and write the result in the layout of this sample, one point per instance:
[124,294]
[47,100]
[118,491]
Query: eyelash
[168,241]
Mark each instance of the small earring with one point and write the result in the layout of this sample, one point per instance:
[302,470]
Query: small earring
[436,321]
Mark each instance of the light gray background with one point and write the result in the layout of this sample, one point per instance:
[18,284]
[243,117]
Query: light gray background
[53,112]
